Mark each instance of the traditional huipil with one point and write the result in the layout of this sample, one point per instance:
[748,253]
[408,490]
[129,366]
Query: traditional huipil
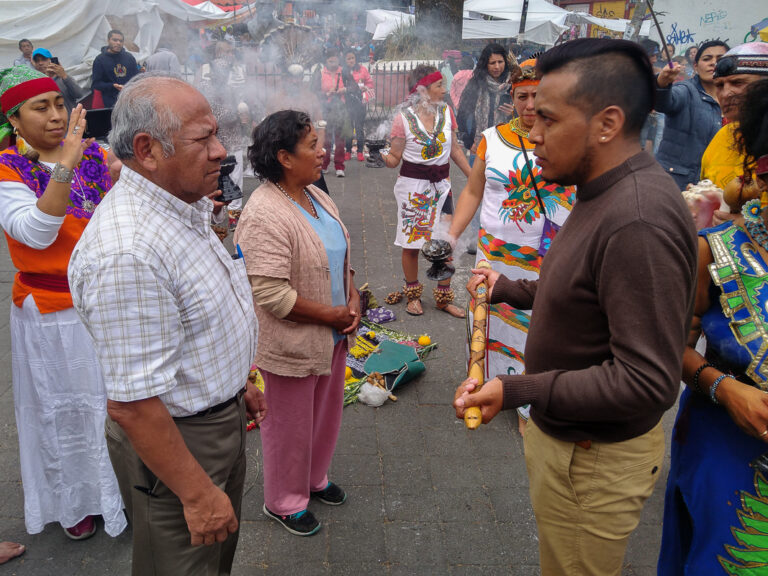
[58,390]
[715,502]
[423,185]
[513,235]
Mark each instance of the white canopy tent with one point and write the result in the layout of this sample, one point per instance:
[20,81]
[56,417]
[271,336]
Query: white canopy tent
[76,31]
[381,23]
[544,22]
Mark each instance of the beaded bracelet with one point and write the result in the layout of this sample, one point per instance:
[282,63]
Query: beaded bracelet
[699,370]
[715,384]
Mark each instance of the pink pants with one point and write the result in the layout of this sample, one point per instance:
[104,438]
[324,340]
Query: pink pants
[298,436]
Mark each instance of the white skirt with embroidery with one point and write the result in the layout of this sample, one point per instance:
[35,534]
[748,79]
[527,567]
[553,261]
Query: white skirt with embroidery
[61,407]
[419,205]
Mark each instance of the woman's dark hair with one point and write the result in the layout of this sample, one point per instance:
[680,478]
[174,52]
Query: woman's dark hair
[349,51]
[610,73]
[709,44]
[330,53]
[481,70]
[418,73]
[279,131]
[688,53]
[752,133]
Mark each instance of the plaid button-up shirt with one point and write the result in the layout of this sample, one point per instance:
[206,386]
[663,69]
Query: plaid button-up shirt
[171,314]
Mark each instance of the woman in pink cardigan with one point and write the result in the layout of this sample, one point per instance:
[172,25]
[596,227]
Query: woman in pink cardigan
[296,252]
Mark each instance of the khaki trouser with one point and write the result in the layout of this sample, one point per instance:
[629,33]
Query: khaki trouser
[587,502]
[161,539]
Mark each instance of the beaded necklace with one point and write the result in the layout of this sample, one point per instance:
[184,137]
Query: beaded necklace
[309,199]
[517,128]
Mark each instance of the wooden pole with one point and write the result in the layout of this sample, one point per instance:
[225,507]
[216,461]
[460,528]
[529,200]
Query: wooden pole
[472,415]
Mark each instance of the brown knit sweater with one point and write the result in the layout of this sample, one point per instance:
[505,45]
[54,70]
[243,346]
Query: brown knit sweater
[611,310]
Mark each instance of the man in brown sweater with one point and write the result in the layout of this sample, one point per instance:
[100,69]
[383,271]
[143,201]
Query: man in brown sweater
[610,312]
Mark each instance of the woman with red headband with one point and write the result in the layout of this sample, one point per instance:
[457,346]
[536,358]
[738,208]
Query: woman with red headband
[519,215]
[51,181]
[424,138]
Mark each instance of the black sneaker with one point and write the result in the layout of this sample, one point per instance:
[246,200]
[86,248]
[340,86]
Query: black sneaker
[302,523]
[331,495]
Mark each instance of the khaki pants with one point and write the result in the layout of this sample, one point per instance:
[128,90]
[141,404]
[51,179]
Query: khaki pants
[588,501]
[161,539]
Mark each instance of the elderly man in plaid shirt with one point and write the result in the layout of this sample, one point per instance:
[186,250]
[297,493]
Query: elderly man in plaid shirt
[155,288]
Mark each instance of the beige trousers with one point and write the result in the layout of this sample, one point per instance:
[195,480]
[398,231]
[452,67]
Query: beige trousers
[161,539]
[587,502]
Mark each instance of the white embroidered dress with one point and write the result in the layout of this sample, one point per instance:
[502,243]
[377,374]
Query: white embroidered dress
[511,230]
[419,202]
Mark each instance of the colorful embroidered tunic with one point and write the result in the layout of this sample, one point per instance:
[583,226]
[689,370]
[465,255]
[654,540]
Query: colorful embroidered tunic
[511,227]
[89,184]
[419,202]
[716,506]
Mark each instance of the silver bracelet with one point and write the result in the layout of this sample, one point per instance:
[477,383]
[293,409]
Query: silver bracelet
[61,173]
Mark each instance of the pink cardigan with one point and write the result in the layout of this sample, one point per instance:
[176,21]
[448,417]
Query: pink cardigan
[278,242]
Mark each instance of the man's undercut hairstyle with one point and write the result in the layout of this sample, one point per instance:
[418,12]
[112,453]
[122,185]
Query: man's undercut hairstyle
[139,109]
[610,73]
[115,32]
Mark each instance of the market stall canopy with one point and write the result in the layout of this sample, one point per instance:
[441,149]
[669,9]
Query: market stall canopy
[75,32]
[215,6]
[381,23]
[543,24]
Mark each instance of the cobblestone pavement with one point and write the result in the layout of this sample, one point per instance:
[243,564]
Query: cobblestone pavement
[425,495]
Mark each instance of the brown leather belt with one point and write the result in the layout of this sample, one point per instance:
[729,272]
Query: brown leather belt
[586,444]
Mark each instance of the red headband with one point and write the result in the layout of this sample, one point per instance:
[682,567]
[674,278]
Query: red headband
[26,90]
[427,80]
[762,165]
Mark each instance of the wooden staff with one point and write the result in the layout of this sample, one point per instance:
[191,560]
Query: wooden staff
[472,415]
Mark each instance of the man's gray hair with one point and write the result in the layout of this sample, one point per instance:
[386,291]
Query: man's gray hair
[139,109]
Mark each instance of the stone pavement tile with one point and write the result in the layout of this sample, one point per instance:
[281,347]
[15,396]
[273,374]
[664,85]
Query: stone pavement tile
[359,441]
[452,471]
[286,548]
[396,439]
[295,568]
[643,552]
[503,472]
[447,441]
[419,569]
[9,456]
[520,541]
[359,541]
[512,505]
[463,502]
[352,568]
[253,500]
[253,544]
[439,416]
[474,543]
[404,415]
[413,543]
[407,470]
[357,416]
[402,504]
[363,502]
[513,570]
[496,439]
[356,470]
[12,502]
